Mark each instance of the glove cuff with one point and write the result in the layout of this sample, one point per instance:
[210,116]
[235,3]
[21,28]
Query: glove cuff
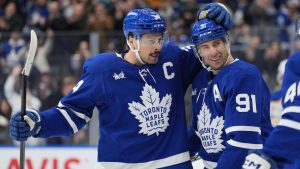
[37,121]
[260,158]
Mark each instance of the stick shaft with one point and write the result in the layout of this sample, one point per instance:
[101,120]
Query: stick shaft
[23,112]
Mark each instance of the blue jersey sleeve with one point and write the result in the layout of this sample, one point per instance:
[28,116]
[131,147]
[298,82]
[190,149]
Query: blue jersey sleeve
[247,120]
[76,108]
[282,145]
[194,142]
[190,64]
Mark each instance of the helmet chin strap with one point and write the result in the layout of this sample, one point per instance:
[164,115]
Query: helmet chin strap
[136,51]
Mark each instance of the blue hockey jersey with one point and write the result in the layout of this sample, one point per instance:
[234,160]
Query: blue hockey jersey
[230,115]
[283,145]
[142,115]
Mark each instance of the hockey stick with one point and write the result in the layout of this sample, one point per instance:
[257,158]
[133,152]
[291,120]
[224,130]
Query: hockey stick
[25,75]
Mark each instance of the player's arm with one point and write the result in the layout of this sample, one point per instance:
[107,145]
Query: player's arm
[73,111]
[245,105]
[280,145]
[69,116]
[194,142]
[217,12]
[190,65]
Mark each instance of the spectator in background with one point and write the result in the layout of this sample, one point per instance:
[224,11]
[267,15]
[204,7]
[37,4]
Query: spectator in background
[270,62]
[188,13]
[286,18]
[37,15]
[56,20]
[100,21]
[13,19]
[3,24]
[5,113]
[77,17]
[122,8]
[296,46]
[49,94]
[48,91]
[12,91]
[275,105]
[254,52]
[238,15]
[81,55]
[13,50]
[43,50]
[77,21]
[241,34]
[240,38]
[61,42]
[259,14]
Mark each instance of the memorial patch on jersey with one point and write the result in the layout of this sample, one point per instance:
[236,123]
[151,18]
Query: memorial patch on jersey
[210,130]
[153,112]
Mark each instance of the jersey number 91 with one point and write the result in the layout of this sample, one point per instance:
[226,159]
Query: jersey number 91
[245,102]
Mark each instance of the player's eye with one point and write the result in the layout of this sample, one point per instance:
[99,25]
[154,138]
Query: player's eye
[217,43]
[152,41]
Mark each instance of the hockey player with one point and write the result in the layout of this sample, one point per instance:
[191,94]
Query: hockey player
[140,97]
[230,102]
[282,148]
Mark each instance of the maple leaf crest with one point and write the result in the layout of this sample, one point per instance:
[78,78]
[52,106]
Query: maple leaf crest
[152,113]
[210,131]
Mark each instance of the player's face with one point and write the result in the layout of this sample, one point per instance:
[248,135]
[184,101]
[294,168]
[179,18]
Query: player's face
[214,53]
[150,46]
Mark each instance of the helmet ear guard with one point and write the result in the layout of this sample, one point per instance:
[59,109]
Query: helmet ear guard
[195,49]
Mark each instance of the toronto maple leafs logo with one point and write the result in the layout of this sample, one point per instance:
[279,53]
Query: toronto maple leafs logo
[119,76]
[132,13]
[156,17]
[210,131]
[153,113]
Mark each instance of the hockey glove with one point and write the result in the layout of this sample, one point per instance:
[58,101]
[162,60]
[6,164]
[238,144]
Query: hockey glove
[258,160]
[20,129]
[217,12]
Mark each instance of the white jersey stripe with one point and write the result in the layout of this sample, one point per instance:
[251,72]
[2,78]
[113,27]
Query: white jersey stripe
[69,120]
[210,164]
[80,115]
[289,123]
[244,145]
[169,161]
[291,109]
[242,128]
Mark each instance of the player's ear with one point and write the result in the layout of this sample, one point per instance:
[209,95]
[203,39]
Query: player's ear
[227,44]
[132,42]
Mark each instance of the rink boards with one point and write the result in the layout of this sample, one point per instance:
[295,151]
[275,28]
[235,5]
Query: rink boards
[54,157]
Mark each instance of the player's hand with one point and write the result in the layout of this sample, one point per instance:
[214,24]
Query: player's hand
[20,129]
[258,160]
[217,12]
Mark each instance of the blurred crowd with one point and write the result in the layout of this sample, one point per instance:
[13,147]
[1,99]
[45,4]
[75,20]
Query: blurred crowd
[71,31]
